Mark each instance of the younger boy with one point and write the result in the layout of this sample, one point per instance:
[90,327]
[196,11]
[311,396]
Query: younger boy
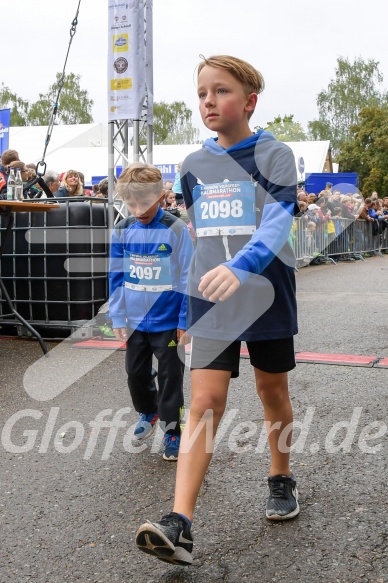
[240,192]
[150,256]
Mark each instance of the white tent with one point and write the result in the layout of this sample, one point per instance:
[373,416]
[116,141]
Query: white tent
[84,147]
[69,146]
[315,156]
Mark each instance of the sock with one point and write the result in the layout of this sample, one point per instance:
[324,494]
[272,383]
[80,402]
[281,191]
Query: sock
[185,518]
[172,434]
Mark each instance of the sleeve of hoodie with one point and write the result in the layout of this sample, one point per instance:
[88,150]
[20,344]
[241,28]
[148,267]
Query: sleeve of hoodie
[278,214]
[184,253]
[117,308]
[187,184]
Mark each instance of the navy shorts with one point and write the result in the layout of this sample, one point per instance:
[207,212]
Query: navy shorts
[272,356]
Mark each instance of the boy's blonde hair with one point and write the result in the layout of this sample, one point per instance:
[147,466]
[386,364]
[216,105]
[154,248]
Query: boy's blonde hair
[251,79]
[139,179]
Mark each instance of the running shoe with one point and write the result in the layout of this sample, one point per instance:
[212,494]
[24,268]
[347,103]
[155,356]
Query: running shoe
[146,425]
[282,502]
[171,447]
[169,540]
[107,331]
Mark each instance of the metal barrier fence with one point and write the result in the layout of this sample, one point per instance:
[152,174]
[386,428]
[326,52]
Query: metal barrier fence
[336,238]
[54,266]
[384,240]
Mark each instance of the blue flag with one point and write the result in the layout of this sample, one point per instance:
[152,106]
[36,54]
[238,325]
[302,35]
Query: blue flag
[5,122]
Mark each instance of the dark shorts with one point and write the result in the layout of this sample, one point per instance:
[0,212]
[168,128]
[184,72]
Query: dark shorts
[273,356]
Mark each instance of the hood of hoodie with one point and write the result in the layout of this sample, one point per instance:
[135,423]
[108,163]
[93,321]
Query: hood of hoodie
[211,144]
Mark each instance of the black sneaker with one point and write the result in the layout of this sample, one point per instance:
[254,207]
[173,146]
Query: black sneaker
[282,502]
[169,540]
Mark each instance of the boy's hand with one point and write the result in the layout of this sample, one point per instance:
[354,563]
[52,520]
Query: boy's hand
[219,284]
[120,334]
[182,337]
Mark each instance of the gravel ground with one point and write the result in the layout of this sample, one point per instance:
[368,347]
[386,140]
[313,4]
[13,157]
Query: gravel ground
[72,497]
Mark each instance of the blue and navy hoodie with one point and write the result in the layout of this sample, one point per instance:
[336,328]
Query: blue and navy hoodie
[241,202]
[148,272]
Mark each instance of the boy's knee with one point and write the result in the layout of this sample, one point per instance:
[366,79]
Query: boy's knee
[202,403]
[272,394]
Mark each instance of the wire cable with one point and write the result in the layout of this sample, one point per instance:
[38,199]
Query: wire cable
[61,82]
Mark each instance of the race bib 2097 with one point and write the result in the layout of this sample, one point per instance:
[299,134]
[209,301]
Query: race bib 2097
[150,273]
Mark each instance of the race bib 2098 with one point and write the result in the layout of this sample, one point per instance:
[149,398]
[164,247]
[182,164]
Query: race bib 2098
[225,208]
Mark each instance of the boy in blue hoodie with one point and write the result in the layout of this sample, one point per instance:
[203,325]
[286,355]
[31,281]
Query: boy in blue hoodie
[150,256]
[240,192]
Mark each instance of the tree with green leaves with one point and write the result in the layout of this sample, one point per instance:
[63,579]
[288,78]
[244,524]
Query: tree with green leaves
[172,124]
[75,106]
[366,150]
[19,108]
[356,85]
[286,129]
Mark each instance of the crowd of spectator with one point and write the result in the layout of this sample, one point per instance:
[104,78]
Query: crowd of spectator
[328,203]
[52,184]
[71,184]
[325,221]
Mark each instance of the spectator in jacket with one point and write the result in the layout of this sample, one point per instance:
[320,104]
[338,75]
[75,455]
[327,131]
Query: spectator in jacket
[169,204]
[325,211]
[302,196]
[363,210]
[51,178]
[71,185]
[7,157]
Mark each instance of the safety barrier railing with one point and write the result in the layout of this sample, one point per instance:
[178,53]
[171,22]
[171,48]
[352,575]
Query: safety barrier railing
[335,238]
[384,240]
[54,265]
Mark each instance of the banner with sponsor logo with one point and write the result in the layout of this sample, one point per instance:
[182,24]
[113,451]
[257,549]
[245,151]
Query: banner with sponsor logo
[126,60]
[149,62]
[5,122]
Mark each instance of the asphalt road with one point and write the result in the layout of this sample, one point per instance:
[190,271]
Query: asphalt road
[73,495]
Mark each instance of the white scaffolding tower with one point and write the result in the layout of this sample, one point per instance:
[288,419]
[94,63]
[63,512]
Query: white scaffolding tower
[131,140]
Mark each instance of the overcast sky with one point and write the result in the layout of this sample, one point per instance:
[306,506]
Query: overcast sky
[294,43]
